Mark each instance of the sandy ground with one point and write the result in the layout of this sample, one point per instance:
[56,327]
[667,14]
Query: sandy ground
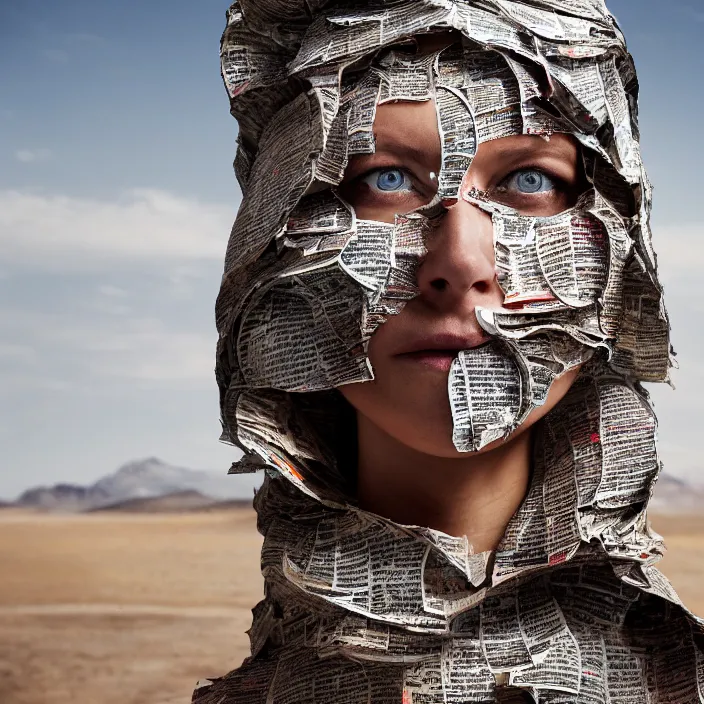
[134,609]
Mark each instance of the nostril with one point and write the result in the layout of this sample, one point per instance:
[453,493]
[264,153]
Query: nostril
[439,284]
[482,286]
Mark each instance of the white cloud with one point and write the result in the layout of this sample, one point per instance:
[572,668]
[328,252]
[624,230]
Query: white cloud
[143,349]
[65,233]
[112,291]
[680,250]
[105,306]
[87,346]
[15,352]
[32,156]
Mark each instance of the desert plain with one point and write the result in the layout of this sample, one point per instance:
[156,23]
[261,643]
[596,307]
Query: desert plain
[111,607]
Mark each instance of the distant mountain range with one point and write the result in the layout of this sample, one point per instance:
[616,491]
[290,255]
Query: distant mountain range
[139,485]
[151,485]
[674,495]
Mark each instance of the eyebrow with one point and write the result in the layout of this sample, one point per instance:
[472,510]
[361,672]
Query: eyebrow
[418,146]
[427,158]
[395,146]
[520,146]
[516,147]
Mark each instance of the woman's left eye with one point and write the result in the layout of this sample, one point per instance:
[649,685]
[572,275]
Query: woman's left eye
[388,180]
[529,181]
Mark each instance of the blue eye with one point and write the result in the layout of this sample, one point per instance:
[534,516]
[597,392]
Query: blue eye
[531,181]
[388,180]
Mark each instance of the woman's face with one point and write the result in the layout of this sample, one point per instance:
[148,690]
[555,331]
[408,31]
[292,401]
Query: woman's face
[411,353]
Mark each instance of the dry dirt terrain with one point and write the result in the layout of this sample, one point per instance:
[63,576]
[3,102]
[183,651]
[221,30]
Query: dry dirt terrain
[113,608]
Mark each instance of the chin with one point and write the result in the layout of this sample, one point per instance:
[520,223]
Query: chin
[439,443]
[416,412]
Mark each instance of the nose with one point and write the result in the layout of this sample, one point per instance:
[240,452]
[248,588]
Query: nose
[459,270]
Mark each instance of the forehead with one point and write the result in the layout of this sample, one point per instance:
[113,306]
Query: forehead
[410,129]
[473,90]
[510,68]
[436,101]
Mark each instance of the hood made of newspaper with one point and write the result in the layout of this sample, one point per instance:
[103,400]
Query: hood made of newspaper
[358,608]
[306,282]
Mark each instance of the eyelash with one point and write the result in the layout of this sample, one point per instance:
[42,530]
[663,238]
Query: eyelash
[561,186]
[387,167]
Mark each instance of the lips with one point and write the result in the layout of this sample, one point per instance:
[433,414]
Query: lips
[445,342]
[439,351]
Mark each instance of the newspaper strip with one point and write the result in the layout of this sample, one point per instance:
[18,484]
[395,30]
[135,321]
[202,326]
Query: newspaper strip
[569,607]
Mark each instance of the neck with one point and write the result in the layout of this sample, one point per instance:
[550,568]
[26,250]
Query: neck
[474,495]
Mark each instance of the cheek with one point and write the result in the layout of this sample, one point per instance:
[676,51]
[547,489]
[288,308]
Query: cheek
[557,392]
[412,408]
[415,410]
[415,417]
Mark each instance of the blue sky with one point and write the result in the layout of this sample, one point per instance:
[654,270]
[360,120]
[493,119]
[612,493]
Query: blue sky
[116,199]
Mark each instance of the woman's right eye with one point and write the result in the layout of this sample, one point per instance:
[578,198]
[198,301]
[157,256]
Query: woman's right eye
[388,180]
[384,192]
[529,181]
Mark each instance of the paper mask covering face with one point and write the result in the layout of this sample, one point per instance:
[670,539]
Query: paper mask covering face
[307,283]
[569,607]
